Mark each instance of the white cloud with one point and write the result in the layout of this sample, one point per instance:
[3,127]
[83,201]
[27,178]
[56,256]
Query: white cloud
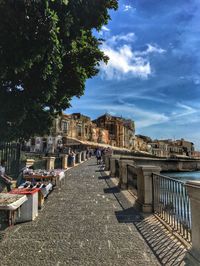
[104,28]
[129,37]
[151,49]
[124,63]
[188,111]
[127,7]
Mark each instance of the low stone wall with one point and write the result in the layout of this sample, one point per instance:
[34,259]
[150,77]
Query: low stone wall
[166,164]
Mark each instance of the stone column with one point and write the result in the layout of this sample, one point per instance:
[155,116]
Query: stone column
[145,188]
[79,157]
[123,175]
[64,161]
[113,165]
[84,155]
[107,162]
[50,163]
[193,255]
[29,162]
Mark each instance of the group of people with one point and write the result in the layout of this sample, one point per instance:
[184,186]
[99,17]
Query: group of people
[99,152]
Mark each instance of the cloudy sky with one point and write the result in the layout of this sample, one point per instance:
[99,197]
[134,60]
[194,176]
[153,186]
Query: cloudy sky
[153,75]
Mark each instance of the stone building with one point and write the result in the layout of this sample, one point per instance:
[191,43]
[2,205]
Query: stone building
[172,148]
[121,131]
[67,131]
[159,148]
[141,143]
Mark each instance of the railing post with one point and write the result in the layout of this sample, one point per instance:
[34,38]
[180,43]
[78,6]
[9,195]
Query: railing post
[64,161]
[193,255]
[145,187]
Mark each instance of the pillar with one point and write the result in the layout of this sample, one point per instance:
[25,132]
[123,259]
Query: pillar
[79,157]
[113,165]
[107,162]
[50,163]
[192,257]
[84,155]
[64,161]
[145,188]
[123,178]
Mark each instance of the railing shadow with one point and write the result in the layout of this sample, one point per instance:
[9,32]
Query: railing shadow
[165,246]
[168,249]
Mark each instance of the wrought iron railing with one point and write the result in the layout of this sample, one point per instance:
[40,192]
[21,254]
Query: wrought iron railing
[11,153]
[131,179]
[172,204]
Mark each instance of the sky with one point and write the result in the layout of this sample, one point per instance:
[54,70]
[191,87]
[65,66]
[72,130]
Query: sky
[153,75]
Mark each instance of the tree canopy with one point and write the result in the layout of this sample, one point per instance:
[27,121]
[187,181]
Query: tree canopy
[47,52]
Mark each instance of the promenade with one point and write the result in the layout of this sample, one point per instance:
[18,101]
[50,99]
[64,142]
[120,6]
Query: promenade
[83,223]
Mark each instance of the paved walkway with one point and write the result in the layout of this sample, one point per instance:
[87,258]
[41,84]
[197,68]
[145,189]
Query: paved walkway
[84,223]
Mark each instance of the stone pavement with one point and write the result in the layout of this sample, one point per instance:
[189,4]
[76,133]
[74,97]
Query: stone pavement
[84,223]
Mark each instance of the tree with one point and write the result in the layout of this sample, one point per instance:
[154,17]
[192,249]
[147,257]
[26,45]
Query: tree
[47,51]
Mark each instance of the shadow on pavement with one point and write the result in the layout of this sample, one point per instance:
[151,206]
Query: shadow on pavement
[128,215]
[165,246]
[103,177]
[168,249]
[111,190]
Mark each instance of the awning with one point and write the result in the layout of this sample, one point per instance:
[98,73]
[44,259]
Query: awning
[74,141]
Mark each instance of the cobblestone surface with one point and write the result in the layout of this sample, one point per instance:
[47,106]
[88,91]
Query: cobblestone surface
[84,223]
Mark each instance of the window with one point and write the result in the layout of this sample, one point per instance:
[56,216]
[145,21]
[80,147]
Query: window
[79,130]
[65,127]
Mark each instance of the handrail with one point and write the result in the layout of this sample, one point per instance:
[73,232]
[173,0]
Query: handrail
[172,204]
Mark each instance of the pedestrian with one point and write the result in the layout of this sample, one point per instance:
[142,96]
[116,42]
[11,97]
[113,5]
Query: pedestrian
[98,156]
[5,180]
[72,156]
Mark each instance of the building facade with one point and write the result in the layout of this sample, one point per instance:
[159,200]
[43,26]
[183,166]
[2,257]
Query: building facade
[121,131]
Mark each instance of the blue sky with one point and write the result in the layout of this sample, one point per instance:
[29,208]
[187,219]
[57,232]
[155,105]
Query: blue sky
[153,75]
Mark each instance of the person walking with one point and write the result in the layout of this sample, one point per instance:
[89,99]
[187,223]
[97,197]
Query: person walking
[98,156]
[5,180]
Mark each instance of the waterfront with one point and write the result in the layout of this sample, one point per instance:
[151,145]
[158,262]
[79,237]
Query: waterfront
[184,176]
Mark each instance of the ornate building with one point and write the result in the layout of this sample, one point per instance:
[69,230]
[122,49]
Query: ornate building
[121,131]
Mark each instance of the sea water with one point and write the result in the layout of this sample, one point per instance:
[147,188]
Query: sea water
[184,176]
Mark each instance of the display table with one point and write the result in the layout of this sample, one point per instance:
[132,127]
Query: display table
[29,210]
[56,178]
[11,204]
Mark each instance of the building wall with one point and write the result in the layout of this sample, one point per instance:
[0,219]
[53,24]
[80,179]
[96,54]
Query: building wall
[121,131]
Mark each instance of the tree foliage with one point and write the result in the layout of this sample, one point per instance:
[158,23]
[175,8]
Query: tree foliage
[47,51]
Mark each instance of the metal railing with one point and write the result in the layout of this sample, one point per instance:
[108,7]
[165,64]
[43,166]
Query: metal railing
[131,179]
[172,204]
[11,153]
